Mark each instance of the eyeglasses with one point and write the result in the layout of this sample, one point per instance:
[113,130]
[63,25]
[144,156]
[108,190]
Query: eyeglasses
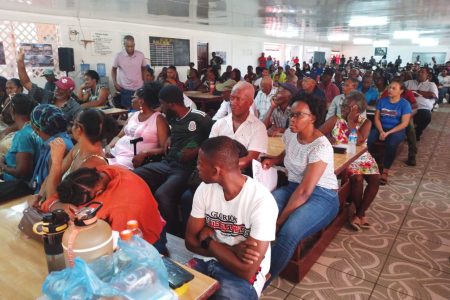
[297,114]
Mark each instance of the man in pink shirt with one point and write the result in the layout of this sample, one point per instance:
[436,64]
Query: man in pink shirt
[132,64]
[329,88]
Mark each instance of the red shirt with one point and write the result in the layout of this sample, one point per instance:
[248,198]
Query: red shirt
[127,197]
[407,94]
[262,61]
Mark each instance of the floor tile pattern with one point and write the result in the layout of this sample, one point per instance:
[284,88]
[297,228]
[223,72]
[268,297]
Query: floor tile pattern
[406,255]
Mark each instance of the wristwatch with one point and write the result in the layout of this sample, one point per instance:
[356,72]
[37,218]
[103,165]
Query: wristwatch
[205,243]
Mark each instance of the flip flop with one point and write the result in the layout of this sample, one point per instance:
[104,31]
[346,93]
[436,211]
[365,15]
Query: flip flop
[365,224]
[354,224]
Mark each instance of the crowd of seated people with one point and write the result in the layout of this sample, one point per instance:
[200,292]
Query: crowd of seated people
[61,148]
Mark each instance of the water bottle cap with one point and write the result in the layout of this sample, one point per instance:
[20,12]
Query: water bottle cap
[126,235]
[132,224]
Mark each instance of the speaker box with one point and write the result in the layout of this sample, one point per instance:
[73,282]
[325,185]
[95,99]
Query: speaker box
[66,59]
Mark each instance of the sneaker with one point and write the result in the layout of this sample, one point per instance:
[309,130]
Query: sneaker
[436,106]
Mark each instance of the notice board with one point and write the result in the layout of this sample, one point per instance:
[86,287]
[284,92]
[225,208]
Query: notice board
[169,51]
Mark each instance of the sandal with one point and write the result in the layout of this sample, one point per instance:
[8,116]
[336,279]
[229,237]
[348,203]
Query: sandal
[364,224]
[384,179]
[355,225]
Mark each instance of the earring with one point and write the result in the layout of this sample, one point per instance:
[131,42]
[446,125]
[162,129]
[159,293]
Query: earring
[140,109]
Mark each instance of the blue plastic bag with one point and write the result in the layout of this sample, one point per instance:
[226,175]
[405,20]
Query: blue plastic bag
[138,273]
[79,282]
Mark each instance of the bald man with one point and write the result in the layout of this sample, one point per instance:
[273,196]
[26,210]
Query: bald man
[240,125]
[264,97]
[233,220]
[243,126]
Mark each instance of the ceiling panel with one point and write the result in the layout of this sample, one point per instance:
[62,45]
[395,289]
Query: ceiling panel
[312,20]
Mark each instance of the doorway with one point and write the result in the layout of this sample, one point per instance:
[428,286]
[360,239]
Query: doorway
[202,56]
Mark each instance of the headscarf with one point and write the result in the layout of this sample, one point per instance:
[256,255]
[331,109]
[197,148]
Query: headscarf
[49,119]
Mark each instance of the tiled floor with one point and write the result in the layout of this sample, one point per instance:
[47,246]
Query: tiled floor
[406,253]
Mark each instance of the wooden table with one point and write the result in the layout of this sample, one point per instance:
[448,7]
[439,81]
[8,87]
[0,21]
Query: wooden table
[23,267]
[202,99]
[309,250]
[113,111]
[341,161]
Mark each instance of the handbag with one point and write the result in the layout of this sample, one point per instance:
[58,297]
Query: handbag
[31,215]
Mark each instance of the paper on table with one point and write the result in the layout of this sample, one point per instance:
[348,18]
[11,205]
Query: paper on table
[268,178]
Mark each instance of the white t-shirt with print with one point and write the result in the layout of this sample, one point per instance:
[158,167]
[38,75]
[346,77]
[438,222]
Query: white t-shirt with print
[253,212]
[298,156]
[252,133]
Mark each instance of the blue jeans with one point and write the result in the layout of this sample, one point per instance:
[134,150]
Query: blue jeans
[160,244]
[391,143]
[315,214]
[187,198]
[442,91]
[125,98]
[232,287]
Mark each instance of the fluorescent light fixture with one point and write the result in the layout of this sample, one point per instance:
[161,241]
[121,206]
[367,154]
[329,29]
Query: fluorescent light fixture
[362,41]
[336,37]
[426,41]
[289,33]
[359,21]
[381,43]
[406,34]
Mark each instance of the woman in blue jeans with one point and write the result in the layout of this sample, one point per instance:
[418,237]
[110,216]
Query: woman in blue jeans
[391,119]
[310,201]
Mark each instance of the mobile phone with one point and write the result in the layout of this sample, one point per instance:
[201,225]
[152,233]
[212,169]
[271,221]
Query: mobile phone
[177,275]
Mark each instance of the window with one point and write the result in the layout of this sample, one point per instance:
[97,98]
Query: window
[12,34]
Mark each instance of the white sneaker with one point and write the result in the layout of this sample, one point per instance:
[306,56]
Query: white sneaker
[444,100]
[436,106]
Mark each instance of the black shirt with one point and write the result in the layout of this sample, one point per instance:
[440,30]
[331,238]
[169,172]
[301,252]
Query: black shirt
[187,133]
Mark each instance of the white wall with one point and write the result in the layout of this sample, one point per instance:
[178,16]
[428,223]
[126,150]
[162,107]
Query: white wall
[393,51]
[241,50]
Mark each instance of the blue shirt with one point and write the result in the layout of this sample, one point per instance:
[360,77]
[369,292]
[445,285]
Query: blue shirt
[24,141]
[391,113]
[371,94]
[42,167]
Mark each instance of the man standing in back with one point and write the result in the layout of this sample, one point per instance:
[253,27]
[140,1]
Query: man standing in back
[132,64]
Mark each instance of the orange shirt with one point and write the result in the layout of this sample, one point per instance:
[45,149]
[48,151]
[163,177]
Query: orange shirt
[127,197]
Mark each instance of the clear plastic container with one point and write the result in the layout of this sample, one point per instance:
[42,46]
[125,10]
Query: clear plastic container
[352,139]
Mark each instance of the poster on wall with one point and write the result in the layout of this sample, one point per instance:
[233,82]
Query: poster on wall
[380,51]
[103,43]
[168,51]
[2,54]
[222,55]
[38,55]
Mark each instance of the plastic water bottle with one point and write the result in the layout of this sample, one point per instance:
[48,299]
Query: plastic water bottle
[133,226]
[352,139]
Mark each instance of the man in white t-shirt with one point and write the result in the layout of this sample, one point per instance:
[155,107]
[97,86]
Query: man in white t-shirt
[232,223]
[426,93]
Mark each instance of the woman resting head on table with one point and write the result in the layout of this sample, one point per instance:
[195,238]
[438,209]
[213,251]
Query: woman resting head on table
[309,202]
[90,127]
[392,116]
[111,186]
[365,167]
[146,123]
